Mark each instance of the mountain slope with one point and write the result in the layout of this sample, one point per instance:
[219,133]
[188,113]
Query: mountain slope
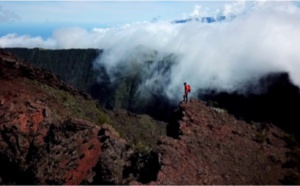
[212,147]
[44,138]
[51,133]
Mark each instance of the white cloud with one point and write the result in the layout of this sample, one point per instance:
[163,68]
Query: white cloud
[235,8]
[222,55]
[196,12]
[76,38]
[14,40]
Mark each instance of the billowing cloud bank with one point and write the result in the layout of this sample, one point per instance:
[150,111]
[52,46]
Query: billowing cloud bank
[262,38]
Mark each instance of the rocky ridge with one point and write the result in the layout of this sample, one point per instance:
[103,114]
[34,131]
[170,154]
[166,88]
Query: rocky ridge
[213,147]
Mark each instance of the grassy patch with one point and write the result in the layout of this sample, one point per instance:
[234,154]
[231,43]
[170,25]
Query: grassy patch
[141,130]
[64,105]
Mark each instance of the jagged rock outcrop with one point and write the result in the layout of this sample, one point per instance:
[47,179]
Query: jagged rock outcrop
[212,147]
[36,147]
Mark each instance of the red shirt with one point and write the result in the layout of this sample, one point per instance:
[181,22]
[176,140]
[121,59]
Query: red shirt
[186,88]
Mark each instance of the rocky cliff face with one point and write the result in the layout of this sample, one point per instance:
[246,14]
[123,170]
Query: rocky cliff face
[74,66]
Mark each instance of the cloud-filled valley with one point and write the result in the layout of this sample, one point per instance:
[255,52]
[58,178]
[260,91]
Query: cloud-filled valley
[226,55]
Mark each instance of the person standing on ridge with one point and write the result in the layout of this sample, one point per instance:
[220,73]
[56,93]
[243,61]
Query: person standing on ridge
[187,90]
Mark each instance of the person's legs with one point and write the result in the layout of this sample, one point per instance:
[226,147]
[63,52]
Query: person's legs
[185,97]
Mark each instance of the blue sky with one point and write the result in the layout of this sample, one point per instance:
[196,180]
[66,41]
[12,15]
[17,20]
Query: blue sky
[42,17]
[106,12]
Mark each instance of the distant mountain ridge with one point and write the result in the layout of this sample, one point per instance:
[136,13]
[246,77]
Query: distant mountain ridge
[202,20]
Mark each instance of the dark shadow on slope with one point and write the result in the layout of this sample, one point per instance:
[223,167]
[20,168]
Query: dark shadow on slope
[173,127]
[144,167]
[157,106]
[12,174]
[278,104]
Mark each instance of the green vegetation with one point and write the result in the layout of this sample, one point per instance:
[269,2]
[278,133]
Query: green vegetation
[142,131]
[142,149]
[64,105]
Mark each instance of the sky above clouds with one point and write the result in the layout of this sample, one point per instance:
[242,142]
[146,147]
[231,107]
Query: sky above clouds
[100,11]
[46,16]
[259,38]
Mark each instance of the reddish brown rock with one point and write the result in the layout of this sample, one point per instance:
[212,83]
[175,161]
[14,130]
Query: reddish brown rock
[36,147]
[215,148]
